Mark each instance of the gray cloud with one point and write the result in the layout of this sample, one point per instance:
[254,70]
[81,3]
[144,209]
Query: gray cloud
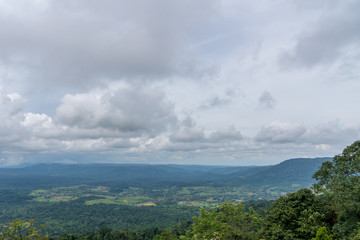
[91,73]
[266,100]
[187,134]
[192,138]
[332,133]
[214,102]
[76,43]
[226,134]
[219,101]
[279,132]
[328,39]
[283,132]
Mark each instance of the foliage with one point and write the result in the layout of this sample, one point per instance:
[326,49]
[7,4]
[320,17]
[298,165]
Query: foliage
[322,234]
[175,232]
[78,218]
[296,216]
[356,235]
[106,233]
[229,221]
[340,178]
[22,230]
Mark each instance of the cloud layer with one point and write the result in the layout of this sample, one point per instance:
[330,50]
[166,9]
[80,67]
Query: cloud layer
[211,82]
[73,43]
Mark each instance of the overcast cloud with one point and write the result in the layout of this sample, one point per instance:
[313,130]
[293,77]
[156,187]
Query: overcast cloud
[207,82]
[334,37]
[266,100]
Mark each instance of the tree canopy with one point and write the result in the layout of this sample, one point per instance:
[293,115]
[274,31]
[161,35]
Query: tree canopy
[22,230]
[339,179]
[342,174]
[229,221]
[295,216]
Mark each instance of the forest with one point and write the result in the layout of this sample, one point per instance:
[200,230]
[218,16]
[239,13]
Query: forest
[328,209]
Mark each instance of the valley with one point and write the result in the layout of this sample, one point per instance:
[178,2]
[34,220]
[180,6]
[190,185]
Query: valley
[83,198]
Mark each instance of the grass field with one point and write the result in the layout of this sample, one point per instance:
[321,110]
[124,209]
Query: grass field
[200,196]
[100,192]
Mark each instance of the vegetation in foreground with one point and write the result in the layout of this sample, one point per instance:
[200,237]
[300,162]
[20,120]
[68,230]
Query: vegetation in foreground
[330,210]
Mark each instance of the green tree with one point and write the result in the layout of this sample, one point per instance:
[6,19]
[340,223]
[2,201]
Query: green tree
[340,179]
[166,234]
[322,234]
[341,176]
[229,221]
[22,230]
[295,216]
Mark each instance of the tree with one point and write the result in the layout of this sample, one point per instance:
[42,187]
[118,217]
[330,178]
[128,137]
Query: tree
[22,230]
[342,174]
[322,234]
[295,216]
[229,221]
[340,179]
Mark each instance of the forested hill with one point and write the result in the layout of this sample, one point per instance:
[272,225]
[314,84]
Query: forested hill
[292,171]
[330,210]
[298,170]
[78,199]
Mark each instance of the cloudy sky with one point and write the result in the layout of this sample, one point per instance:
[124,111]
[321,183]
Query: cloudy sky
[223,82]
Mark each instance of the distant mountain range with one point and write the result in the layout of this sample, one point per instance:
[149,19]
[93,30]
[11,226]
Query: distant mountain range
[299,170]
[293,171]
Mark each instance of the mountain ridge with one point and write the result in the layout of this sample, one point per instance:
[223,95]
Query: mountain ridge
[296,170]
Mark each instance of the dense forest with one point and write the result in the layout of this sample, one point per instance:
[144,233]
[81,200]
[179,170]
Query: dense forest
[330,209]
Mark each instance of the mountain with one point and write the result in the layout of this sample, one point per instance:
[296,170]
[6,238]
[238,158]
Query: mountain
[48,175]
[293,171]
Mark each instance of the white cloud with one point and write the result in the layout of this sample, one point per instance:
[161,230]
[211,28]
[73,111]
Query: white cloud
[125,111]
[323,147]
[11,131]
[11,104]
[41,125]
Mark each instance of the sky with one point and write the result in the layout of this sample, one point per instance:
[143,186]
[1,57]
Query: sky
[220,82]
